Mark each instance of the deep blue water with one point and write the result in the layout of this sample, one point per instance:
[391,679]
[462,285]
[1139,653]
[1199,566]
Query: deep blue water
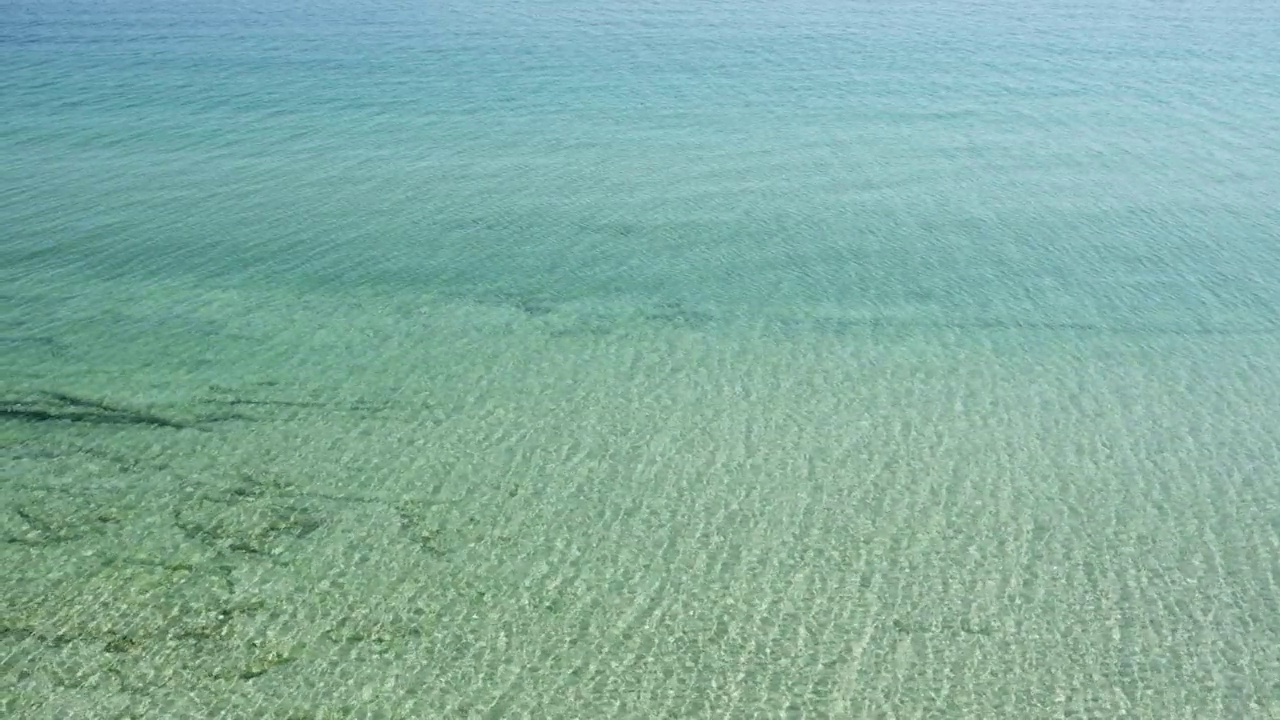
[969,161]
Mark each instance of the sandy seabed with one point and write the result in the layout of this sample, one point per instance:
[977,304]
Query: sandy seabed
[254,504]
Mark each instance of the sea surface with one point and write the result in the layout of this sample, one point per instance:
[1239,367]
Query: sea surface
[650,359]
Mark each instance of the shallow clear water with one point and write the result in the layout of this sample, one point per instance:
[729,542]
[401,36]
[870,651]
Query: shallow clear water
[568,359]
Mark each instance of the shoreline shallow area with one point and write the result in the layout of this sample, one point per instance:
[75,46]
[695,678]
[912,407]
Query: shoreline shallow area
[251,503]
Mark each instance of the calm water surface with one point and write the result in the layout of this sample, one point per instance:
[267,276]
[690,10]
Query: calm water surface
[551,358]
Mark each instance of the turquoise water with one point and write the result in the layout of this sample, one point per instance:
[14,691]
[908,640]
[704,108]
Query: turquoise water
[565,359]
